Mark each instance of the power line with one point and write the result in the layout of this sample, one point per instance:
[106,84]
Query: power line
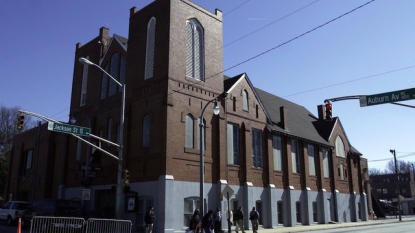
[282,44]
[401,156]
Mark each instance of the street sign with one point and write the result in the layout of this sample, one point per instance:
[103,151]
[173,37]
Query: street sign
[65,128]
[388,97]
[228,190]
[86,194]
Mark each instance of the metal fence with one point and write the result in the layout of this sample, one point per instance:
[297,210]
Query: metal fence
[40,224]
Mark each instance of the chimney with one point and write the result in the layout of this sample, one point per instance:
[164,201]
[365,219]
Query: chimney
[284,118]
[321,112]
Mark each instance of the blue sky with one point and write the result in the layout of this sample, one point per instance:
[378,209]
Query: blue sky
[368,51]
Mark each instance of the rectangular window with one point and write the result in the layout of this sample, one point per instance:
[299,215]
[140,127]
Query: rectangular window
[279,209]
[295,156]
[341,172]
[189,131]
[298,211]
[385,191]
[257,148]
[325,153]
[311,161]
[315,211]
[84,84]
[277,152]
[233,143]
[29,158]
[109,130]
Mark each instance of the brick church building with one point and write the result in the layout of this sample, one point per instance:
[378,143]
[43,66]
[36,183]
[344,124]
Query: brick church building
[293,166]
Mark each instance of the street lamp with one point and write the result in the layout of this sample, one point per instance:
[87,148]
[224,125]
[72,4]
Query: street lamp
[120,151]
[216,111]
[398,190]
[88,152]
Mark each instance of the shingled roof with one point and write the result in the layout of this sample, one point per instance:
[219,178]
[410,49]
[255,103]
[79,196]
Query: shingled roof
[301,123]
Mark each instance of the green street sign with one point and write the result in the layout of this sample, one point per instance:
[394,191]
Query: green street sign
[65,128]
[388,97]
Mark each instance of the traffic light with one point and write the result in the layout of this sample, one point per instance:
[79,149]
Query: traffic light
[329,116]
[126,176]
[20,121]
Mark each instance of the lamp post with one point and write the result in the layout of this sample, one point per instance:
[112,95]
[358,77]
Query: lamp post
[216,111]
[398,190]
[120,151]
[88,152]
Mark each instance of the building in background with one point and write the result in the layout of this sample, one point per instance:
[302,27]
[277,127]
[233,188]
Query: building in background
[384,191]
[275,155]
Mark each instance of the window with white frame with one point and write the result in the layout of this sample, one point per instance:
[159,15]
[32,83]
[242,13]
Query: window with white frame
[233,143]
[341,172]
[203,134]
[325,154]
[277,152]
[245,100]
[257,148]
[190,205]
[84,84]
[340,151]
[194,50]
[295,156]
[151,35]
[146,131]
[189,131]
[311,160]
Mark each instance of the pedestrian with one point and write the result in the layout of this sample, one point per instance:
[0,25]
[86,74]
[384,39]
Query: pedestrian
[149,219]
[229,217]
[254,216]
[207,222]
[239,220]
[217,217]
[195,221]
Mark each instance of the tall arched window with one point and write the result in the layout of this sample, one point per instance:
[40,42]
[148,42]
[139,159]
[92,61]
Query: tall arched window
[195,50]
[245,100]
[84,84]
[146,131]
[151,35]
[340,151]
[189,131]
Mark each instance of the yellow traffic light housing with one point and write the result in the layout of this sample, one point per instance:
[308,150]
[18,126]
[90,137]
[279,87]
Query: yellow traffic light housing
[20,121]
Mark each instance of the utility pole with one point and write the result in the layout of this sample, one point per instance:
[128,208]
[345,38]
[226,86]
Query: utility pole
[398,190]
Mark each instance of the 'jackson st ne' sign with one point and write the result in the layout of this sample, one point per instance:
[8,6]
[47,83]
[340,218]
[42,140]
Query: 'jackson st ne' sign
[388,97]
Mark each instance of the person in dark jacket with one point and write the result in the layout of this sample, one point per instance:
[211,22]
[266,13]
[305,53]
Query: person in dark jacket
[207,222]
[239,220]
[195,222]
[254,216]
[217,217]
[149,219]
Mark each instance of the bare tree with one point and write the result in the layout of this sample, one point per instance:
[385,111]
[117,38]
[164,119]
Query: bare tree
[376,171]
[8,129]
[403,167]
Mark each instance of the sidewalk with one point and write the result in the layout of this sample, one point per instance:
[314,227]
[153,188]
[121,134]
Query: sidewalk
[316,227]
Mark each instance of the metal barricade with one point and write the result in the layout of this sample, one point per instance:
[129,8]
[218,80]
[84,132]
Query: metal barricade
[42,224]
[97,225]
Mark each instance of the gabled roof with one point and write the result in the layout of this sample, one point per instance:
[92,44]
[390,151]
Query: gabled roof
[229,83]
[122,41]
[301,123]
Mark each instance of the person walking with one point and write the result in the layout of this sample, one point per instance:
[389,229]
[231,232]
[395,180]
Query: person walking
[149,219]
[217,218]
[229,217]
[254,216]
[239,220]
[207,222]
[195,222]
